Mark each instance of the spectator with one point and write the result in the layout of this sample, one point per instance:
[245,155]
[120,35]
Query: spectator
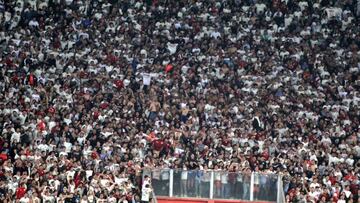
[146,192]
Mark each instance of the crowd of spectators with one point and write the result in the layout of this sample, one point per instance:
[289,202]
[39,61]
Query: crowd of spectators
[93,91]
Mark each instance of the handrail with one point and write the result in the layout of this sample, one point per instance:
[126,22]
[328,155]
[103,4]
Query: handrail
[154,199]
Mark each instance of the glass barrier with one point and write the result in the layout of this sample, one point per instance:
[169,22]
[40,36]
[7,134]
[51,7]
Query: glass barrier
[265,187]
[212,184]
[231,185]
[160,181]
[205,181]
[243,182]
[191,183]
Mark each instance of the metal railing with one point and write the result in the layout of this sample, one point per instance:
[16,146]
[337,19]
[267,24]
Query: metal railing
[154,200]
[216,184]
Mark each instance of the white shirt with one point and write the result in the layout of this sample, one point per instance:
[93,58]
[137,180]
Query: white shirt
[24,200]
[165,174]
[257,179]
[224,178]
[347,193]
[48,198]
[83,201]
[34,23]
[111,200]
[314,194]
[217,176]
[184,175]
[146,78]
[145,194]
[314,185]
[67,146]
[15,137]
[260,8]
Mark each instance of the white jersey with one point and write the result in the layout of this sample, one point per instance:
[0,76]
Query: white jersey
[145,194]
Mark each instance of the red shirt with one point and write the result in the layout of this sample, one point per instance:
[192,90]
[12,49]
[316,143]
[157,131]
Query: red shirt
[119,84]
[3,157]
[324,195]
[41,126]
[154,2]
[167,146]
[332,180]
[168,68]
[83,74]
[158,145]
[242,64]
[15,78]
[94,155]
[350,177]
[104,105]
[27,152]
[354,188]
[31,79]
[151,137]
[336,195]
[226,142]
[9,62]
[20,192]
[77,180]
[41,172]
[112,59]
[96,115]
[51,110]
[266,155]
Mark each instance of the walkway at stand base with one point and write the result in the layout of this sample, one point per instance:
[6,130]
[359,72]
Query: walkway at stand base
[190,200]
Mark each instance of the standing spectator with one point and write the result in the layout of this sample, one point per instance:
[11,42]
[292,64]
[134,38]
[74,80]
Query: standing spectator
[217,182]
[224,185]
[184,179]
[205,182]
[145,194]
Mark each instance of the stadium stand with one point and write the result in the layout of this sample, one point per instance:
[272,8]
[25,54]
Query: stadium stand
[95,91]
